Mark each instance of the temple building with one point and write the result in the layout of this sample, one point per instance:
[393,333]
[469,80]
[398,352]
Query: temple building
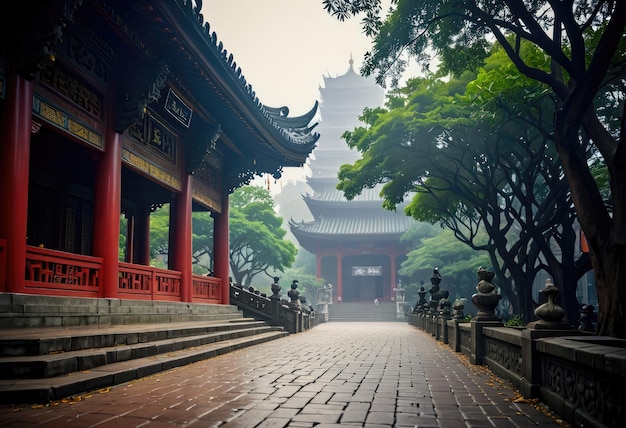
[114,108]
[356,243]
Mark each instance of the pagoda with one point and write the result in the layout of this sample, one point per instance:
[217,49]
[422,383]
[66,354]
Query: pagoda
[357,242]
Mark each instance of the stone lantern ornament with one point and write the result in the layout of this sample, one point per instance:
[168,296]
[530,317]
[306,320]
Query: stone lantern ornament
[487,297]
[294,293]
[550,314]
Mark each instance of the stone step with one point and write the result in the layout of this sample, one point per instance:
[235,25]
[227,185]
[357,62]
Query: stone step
[46,390]
[54,347]
[46,341]
[25,310]
[41,341]
[360,312]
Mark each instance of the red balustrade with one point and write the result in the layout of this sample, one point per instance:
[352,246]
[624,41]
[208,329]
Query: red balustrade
[167,285]
[53,272]
[205,289]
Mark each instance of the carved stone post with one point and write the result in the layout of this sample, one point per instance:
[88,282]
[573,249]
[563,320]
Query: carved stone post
[457,317]
[435,296]
[293,294]
[294,304]
[486,299]
[275,301]
[444,316]
[585,321]
[551,323]
[457,309]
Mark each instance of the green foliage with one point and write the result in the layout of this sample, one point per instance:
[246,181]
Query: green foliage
[159,231]
[256,237]
[457,263]
[202,242]
[308,284]
[575,52]
[122,242]
[515,321]
[475,161]
[257,244]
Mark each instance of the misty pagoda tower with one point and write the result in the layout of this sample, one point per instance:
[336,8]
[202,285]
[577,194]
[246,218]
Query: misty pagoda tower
[356,243]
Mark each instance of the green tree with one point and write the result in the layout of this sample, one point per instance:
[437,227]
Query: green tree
[202,242]
[159,232]
[584,41]
[202,239]
[256,236]
[476,164]
[457,264]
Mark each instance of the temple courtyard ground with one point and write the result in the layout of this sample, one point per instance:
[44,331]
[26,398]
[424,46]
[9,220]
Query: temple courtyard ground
[359,374]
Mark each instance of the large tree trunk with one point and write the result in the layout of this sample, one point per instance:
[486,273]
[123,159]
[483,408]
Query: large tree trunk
[603,230]
[610,273]
[566,271]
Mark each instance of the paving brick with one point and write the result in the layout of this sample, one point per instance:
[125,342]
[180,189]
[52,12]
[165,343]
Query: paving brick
[382,375]
[386,418]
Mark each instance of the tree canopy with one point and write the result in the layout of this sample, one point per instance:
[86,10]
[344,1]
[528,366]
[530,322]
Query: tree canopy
[584,46]
[457,263]
[256,236]
[475,164]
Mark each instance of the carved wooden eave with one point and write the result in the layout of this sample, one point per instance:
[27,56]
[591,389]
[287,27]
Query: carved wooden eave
[30,33]
[256,139]
[161,44]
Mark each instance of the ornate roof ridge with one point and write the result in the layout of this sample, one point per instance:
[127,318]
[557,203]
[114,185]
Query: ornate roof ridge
[298,135]
[353,226]
[280,116]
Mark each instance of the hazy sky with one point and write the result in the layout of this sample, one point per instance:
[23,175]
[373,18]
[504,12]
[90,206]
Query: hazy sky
[285,47]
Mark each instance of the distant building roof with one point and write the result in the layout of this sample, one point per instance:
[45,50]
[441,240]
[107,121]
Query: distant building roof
[337,220]
[352,228]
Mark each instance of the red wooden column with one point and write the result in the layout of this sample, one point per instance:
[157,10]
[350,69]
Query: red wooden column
[221,249]
[182,237]
[107,211]
[15,128]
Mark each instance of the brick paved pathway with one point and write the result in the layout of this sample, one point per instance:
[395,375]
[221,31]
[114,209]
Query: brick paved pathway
[338,374]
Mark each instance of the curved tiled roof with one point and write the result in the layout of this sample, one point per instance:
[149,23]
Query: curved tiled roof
[260,139]
[390,225]
[334,195]
[285,126]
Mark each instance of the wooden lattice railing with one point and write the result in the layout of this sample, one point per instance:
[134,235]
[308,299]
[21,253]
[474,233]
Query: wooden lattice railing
[53,272]
[50,271]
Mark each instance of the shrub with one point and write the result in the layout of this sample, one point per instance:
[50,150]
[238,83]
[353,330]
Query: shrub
[515,321]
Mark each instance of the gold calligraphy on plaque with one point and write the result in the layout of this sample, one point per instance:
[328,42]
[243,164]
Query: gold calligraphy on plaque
[64,121]
[161,138]
[206,200]
[151,169]
[52,115]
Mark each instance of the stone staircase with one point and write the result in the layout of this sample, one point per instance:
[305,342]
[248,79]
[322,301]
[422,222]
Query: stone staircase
[56,347]
[360,312]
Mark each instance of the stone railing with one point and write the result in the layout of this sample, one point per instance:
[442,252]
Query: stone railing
[294,315]
[579,375]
